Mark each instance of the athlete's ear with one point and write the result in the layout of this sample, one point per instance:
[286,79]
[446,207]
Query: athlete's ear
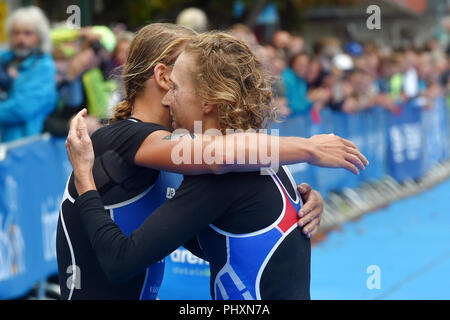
[207,108]
[162,76]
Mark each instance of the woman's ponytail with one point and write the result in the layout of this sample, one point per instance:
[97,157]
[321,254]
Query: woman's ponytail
[122,111]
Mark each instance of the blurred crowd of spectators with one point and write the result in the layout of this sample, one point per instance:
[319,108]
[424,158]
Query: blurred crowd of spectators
[349,77]
[48,75]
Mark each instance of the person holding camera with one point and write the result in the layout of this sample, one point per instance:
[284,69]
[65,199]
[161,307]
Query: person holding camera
[83,76]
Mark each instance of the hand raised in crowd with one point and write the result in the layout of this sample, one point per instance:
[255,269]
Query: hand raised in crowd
[89,35]
[81,62]
[321,94]
[13,72]
[351,105]
[331,151]
[282,108]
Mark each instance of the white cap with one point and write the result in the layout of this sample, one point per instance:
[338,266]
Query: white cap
[193,18]
[343,62]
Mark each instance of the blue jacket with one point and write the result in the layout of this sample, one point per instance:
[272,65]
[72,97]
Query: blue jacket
[296,92]
[31,98]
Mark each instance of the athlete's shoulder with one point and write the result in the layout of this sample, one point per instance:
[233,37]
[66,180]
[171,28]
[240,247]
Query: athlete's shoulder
[129,131]
[136,123]
[130,123]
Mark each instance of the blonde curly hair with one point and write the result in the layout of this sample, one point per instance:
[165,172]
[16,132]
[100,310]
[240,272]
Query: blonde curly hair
[229,75]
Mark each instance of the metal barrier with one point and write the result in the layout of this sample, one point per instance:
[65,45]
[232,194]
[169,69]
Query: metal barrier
[406,154]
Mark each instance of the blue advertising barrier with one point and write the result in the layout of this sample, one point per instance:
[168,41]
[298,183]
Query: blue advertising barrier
[33,177]
[406,143]
[32,180]
[186,277]
[328,179]
[366,129]
[299,126]
[374,122]
[434,128]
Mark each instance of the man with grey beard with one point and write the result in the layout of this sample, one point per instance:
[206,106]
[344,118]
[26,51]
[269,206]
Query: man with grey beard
[27,76]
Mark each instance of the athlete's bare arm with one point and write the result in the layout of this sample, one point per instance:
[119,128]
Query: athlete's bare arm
[81,155]
[198,154]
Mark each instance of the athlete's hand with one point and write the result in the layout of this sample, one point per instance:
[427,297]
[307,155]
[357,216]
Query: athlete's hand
[331,151]
[311,211]
[81,153]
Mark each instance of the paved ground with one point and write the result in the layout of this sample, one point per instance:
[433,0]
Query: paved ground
[407,244]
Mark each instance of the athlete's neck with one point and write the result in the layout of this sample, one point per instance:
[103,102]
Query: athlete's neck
[207,125]
[148,107]
[210,121]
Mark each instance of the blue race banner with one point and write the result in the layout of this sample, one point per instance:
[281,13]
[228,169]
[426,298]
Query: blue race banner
[332,179]
[434,128]
[32,180]
[186,277]
[299,126]
[405,143]
[374,121]
[357,133]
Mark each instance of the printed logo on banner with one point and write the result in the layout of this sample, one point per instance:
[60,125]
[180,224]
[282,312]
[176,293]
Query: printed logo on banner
[49,219]
[11,193]
[12,245]
[406,138]
[413,139]
[397,144]
[195,267]
[12,250]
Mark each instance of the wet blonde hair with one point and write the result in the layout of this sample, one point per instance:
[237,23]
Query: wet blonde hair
[229,75]
[153,44]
